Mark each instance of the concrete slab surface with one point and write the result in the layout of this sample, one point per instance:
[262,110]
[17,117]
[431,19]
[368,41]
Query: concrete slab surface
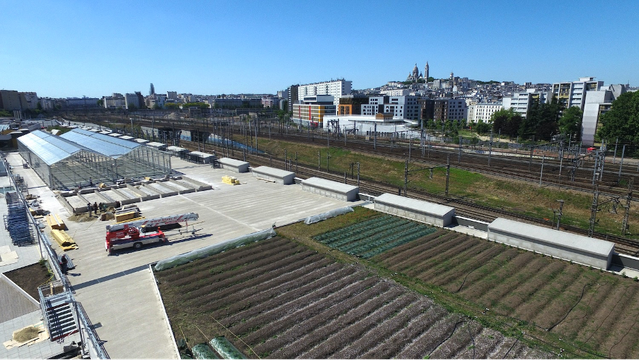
[117,291]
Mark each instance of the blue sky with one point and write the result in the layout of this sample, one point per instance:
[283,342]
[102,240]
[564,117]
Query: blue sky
[94,48]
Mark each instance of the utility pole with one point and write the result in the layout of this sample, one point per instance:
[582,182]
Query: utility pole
[532,149]
[375,138]
[447,173]
[593,210]
[541,173]
[405,177]
[358,173]
[623,151]
[624,225]
[614,157]
[319,160]
[410,142]
[460,150]
[561,208]
[328,161]
[490,150]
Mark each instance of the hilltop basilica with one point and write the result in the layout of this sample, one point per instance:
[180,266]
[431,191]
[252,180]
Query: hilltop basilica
[416,75]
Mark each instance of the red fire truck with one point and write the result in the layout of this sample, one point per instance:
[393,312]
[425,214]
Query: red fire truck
[135,234]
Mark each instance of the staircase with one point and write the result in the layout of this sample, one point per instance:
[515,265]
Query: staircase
[59,314]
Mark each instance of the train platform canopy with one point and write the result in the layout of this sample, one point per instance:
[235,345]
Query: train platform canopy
[82,158]
[424,211]
[141,141]
[578,248]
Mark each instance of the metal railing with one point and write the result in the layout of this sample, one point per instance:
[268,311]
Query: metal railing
[43,241]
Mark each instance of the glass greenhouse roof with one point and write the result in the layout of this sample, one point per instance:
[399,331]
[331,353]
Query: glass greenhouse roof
[103,144]
[49,148]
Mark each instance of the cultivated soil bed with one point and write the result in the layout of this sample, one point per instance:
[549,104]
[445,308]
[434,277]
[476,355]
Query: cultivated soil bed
[293,297]
[29,278]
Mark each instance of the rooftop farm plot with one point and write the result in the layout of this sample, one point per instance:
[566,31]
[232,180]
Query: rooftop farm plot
[596,310]
[372,237]
[278,298]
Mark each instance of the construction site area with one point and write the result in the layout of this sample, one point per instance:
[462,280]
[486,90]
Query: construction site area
[180,257]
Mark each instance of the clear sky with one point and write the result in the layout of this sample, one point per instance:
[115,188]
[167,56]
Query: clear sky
[93,48]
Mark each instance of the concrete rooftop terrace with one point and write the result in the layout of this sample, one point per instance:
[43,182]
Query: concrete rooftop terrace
[118,292]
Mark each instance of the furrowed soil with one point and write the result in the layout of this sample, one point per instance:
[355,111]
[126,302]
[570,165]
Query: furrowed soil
[278,298]
[29,278]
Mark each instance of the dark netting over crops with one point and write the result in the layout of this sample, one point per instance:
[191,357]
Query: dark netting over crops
[372,237]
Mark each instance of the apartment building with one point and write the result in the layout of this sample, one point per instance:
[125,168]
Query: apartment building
[482,111]
[574,93]
[520,102]
[335,88]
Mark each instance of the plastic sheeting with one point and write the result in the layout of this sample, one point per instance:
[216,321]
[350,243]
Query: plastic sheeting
[203,351]
[224,347]
[327,215]
[213,249]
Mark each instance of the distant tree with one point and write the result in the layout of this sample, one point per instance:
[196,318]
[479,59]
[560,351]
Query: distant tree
[172,106]
[201,105]
[622,120]
[431,79]
[542,120]
[101,103]
[506,122]
[482,127]
[500,119]
[570,122]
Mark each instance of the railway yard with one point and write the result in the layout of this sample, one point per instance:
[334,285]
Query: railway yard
[575,176]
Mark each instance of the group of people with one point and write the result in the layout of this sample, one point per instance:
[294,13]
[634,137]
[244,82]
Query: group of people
[94,208]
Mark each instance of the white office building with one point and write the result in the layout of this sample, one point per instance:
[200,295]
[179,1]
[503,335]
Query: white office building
[131,101]
[483,112]
[520,102]
[400,107]
[336,88]
[597,102]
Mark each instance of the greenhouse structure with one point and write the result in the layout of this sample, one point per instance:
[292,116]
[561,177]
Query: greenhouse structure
[81,158]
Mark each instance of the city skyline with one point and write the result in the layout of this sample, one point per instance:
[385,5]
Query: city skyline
[74,49]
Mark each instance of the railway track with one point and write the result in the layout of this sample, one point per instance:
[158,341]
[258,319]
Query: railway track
[462,207]
[554,172]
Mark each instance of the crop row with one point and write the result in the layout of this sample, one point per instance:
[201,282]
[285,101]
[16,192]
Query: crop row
[377,240]
[296,303]
[350,243]
[587,306]
[376,221]
[355,235]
